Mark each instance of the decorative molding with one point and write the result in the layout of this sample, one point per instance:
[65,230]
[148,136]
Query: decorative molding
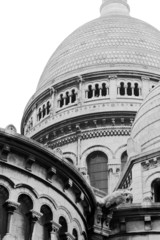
[5,151]
[50,173]
[91,134]
[68,184]
[29,162]
[151,163]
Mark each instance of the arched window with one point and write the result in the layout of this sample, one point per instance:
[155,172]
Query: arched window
[43,226]
[97,90]
[75,234]
[129,89]
[3,213]
[67,98]
[104,89]
[98,170]
[90,91]
[21,219]
[48,107]
[69,160]
[63,229]
[136,89]
[44,110]
[122,89]
[124,158]
[61,100]
[39,114]
[73,96]
[156,190]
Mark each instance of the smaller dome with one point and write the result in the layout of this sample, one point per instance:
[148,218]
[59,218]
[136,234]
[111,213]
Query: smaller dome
[146,128]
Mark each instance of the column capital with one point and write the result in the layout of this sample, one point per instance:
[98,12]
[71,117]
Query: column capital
[54,226]
[69,236]
[11,206]
[34,216]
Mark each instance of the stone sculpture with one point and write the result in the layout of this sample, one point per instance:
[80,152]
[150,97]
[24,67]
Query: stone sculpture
[115,199]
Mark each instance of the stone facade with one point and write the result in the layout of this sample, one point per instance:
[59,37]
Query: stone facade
[86,166]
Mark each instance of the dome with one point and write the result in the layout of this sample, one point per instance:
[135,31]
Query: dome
[146,128]
[113,41]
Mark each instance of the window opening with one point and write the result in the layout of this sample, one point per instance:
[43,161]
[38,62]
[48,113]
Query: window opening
[44,110]
[129,89]
[61,100]
[90,91]
[122,89]
[48,107]
[73,96]
[97,90]
[67,98]
[104,89]
[136,90]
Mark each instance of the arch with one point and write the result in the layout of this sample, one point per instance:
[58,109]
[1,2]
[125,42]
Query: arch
[47,200]
[43,226]
[67,98]
[100,148]
[90,91]
[48,107]
[75,234]
[61,100]
[66,213]
[77,223]
[124,158]
[104,90]
[21,217]
[71,156]
[97,90]
[97,163]
[122,89]
[129,89]
[149,180]
[27,189]
[8,183]
[4,195]
[64,227]
[136,90]
[155,188]
[73,95]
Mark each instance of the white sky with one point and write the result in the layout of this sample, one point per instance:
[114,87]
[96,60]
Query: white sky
[30,31]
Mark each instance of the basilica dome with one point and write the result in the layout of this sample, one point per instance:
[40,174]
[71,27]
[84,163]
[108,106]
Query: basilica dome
[146,128]
[114,41]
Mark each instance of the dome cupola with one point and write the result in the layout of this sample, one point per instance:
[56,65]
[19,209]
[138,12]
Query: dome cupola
[117,7]
[145,133]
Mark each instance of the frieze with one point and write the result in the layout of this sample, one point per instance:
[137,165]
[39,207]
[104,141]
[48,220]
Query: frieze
[91,134]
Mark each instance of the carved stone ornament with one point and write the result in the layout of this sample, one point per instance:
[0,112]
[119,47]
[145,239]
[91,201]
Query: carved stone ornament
[116,198]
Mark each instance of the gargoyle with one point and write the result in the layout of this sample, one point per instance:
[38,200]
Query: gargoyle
[116,198]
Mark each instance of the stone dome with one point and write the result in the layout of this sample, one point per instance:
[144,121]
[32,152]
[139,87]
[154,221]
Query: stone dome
[113,41]
[146,128]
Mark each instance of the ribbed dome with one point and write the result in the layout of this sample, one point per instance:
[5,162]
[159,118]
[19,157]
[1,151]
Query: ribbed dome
[146,128]
[110,42]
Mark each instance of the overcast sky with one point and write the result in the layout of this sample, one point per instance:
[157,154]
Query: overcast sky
[30,32]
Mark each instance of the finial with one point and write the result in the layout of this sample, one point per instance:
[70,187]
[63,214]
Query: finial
[114,7]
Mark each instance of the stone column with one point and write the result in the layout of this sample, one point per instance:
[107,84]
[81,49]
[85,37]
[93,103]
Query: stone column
[113,86]
[11,207]
[78,131]
[34,217]
[69,236]
[53,101]
[34,115]
[54,227]
[125,89]
[81,93]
